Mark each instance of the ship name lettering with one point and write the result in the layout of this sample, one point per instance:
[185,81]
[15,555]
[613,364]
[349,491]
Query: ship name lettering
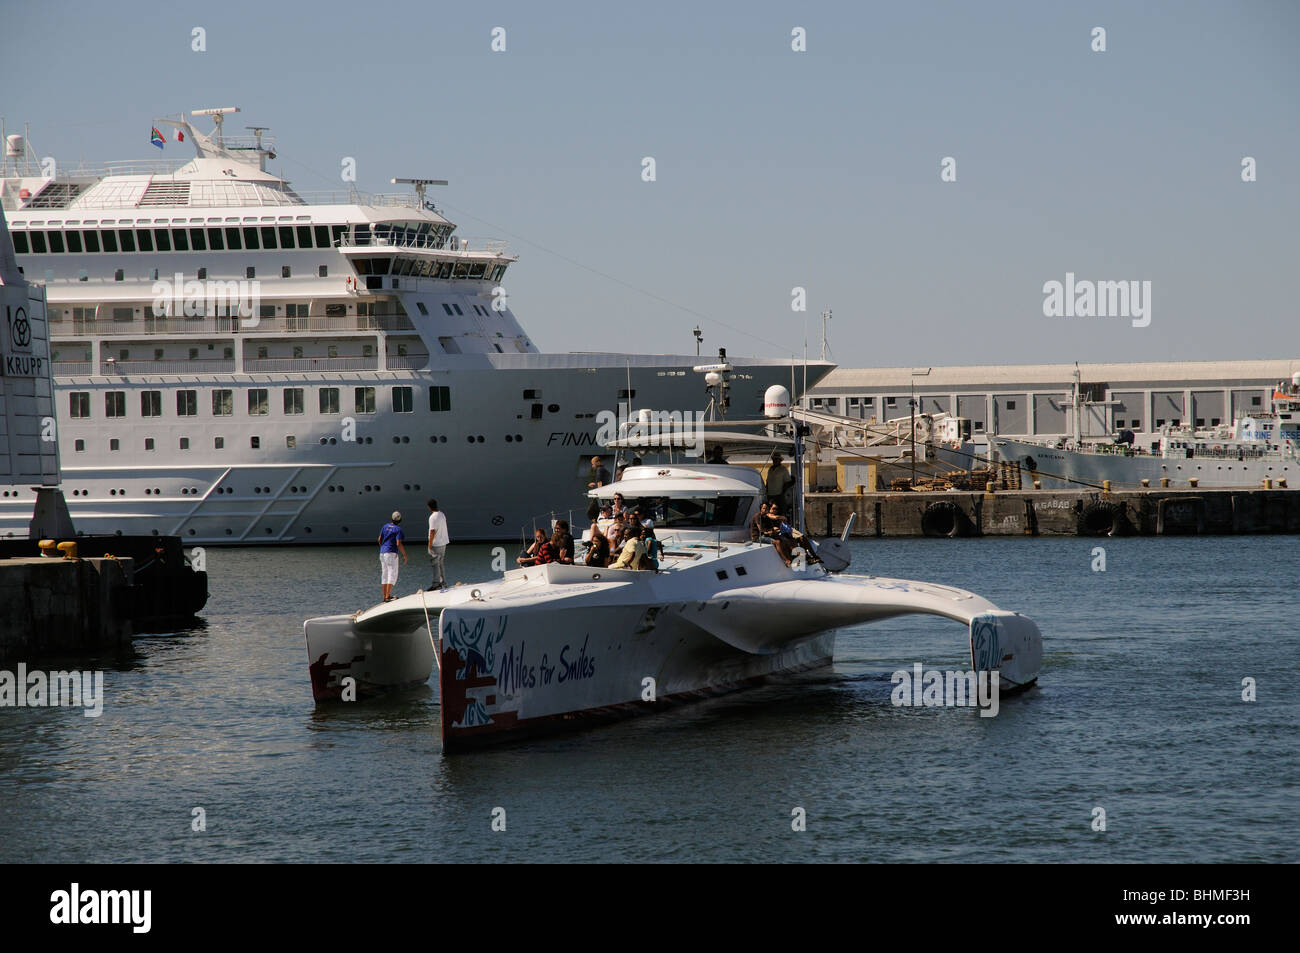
[515,673]
[583,666]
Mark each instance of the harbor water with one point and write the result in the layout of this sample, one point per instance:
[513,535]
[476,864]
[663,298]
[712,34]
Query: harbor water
[1139,713]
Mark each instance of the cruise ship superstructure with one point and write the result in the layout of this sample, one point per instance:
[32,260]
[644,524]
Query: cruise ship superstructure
[237,362]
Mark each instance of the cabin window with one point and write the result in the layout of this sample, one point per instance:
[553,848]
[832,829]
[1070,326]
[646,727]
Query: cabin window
[180,241]
[74,242]
[297,351]
[284,271]
[151,403]
[91,238]
[1254,402]
[364,400]
[115,403]
[446,307]
[114,444]
[250,272]
[250,238]
[144,239]
[456,307]
[323,271]
[337,231]
[79,445]
[223,403]
[403,402]
[255,443]
[293,400]
[185,443]
[286,236]
[126,239]
[79,404]
[331,351]
[422,309]
[187,403]
[1011,405]
[218,443]
[162,239]
[263,353]
[335,310]
[148,443]
[198,240]
[56,242]
[322,236]
[268,237]
[232,239]
[439,399]
[329,400]
[214,240]
[38,243]
[20,243]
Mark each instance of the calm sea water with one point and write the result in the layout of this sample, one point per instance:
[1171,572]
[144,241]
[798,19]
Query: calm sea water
[1139,712]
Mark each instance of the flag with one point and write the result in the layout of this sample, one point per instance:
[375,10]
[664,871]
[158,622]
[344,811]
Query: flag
[157,138]
[180,135]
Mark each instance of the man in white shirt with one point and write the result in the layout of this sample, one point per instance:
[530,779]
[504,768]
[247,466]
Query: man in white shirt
[438,540]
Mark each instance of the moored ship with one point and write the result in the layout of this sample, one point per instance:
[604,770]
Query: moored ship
[237,362]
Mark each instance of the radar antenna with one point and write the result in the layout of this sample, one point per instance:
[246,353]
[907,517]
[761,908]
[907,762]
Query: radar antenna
[218,116]
[420,186]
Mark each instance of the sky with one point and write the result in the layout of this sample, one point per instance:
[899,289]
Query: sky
[774,169]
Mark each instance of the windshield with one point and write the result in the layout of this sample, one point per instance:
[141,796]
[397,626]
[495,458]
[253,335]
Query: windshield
[691,513]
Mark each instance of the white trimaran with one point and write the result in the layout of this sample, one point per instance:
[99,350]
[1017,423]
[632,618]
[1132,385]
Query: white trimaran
[547,646]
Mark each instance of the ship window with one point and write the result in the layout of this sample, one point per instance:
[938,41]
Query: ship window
[114,444]
[185,443]
[255,443]
[148,443]
[214,240]
[322,236]
[20,243]
[79,404]
[1254,401]
[362,265]
[1200,421]
[286,236]
[331,350]
[323,271]
[1160,421]
[232,239]
[402,400]
[297,351]
[218,443]
[367,350]
[1214,421]
[144,239]
[250,238]
[291,441]
[457,309]
[108,238]
[462,269]
[38,243]
[268,237]
[446,307]
[476,270]
[199,239]
[423,310]
[364,400]
[263,353]
[304,236]
[445,271]
[228,353]
[74,242]
[223,403]
[56,242]
[180,241]
[1011,405]
[532,395]
[187,403]
[338,231]
[151,403]
[293,400]
[379,266]
[439,399]
[157,354]
[284,271]
[115,403]
[119,275]
[624,394]
[335,310]
[162,239]
[1119,423]
[250,272]
[79,445]
[329,400]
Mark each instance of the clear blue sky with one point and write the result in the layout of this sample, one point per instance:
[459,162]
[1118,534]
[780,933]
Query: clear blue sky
[775,169]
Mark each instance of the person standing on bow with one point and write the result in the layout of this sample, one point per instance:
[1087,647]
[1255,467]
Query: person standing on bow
[390,544]
[438,540]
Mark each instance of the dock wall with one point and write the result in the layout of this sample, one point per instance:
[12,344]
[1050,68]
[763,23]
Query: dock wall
[51,607]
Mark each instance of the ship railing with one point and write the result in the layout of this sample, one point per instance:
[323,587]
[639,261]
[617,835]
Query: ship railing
[107,327]
[111,366]
[263,365]
[455,246]
[71,368]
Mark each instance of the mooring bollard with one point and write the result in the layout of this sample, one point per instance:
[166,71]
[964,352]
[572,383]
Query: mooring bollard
[1145,483]
[1164,482]
[1038,484]
[1193,481]
[1105,486]
[1268,483]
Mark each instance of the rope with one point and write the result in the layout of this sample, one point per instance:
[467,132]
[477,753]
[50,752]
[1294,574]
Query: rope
[437,656]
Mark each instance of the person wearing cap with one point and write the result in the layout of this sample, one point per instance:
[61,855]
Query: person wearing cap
[390,544]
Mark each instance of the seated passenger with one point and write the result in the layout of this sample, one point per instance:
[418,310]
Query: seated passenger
[654,549]
[539,553]
[598,551]
[633,554]
[562,541]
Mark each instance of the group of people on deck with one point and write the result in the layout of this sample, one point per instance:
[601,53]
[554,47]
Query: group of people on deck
[620,538]
[769,524]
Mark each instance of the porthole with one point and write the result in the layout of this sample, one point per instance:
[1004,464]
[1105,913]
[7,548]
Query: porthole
[191,532]
[553,408]
[470,440]
[406,486]
[258,489]
[333,441]
[324,440]
[345,529]
[397,439]
[442,439]
[519,438]
[306,529]
[368,490]
[509,439]
[268,530]
[331,489]
[229,532]
[266,489]
[406,440]
[480,439]
[432,439]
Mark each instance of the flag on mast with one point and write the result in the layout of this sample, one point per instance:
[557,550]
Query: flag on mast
[157,138]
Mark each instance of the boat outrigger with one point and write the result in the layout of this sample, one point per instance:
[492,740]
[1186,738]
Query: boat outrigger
[553,645]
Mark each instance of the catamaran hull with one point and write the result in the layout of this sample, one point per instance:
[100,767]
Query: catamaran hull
[373,662]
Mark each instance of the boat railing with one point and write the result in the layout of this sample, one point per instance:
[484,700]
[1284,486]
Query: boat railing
[147,326]
[306,364]
[458,246]
[111,366]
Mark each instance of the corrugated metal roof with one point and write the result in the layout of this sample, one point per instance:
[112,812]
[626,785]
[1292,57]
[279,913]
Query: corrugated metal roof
[985,376]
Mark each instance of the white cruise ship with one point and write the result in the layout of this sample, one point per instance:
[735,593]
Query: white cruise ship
[236,362]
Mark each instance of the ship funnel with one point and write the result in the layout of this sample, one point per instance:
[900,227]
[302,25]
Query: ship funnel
[1295,379]
[776,402]
[14,147]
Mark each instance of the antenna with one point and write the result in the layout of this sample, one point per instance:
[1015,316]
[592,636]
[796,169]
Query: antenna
[218,116]
[420,186]
[826,316]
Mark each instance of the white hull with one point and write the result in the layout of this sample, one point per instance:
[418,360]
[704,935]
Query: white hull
[556,645]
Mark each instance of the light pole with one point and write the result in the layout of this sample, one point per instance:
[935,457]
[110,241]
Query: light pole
[699,336]
[912,403]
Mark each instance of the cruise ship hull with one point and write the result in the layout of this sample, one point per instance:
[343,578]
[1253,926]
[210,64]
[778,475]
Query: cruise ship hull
[1070,469]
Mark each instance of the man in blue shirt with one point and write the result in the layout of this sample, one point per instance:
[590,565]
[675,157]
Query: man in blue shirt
[390,544]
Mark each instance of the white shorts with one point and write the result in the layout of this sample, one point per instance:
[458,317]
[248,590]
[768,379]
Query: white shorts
[388,569]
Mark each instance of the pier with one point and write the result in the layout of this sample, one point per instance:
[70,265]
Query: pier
[56,606]
[1146,512]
